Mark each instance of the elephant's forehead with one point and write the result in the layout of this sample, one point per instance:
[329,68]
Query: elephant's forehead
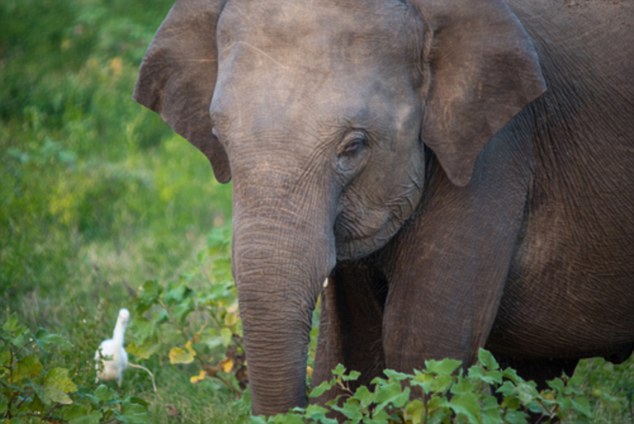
[320,34]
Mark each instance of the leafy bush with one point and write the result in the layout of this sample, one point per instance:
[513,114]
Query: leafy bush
[200,327]
[33,389]
[443,393]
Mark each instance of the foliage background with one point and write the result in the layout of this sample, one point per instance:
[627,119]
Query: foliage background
[102,207]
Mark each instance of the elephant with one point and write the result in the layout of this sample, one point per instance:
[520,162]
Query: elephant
[462,172]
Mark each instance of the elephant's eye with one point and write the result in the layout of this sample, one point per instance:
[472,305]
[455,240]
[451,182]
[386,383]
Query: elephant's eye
[351,152]
[352,144]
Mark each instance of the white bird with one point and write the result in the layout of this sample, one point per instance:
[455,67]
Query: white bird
[111,358]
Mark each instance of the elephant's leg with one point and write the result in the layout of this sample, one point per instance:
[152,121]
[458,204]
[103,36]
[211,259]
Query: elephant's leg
[434,313]
[447,269]
[350,322]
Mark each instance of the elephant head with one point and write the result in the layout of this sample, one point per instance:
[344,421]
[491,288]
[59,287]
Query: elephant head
[320,112]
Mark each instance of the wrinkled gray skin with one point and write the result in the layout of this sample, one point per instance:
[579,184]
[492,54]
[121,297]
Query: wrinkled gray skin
[462,170]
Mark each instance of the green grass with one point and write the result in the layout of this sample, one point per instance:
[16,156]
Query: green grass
[98,197]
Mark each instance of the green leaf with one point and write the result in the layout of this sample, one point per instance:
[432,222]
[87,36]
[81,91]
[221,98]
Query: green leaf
[350,410]
[491,411]
[27,367]
[477,372]
[443,367]
[352,376]
[487,360]
[415,411]
[144,350]
[46,340]
[57,385]
[318,414]
[182,310]
[227,336]
[133,413]
[462,386]
[15,332]
[557,385]
[438,409]
[339,370]
[391,392]
[143,329]
[466,404]
[364,396]
[511,374]
[148,295]
[177,294]
[582,405]
[104,394]
[257,419]
[322,388]
[516,417]
[81,414]
[395,375]
[433,383]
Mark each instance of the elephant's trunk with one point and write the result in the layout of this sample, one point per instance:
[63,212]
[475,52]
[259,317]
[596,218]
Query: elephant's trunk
[281,254]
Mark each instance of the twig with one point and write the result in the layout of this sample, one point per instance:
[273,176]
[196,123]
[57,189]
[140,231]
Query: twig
[130,364]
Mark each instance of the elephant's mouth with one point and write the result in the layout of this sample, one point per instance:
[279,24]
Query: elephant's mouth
[355,242]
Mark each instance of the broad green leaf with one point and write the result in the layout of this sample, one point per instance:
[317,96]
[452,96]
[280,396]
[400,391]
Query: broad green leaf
[352,376]
[466,404]
[582,406]
[177,294]
[491,411]
[322,388]
[438,409]
[364,396]
[27,367]
[526,393]
[104,394]
[318,414]
[288,419]
[443,367]
[487,359]
[145,350]
[339,370]
[395,375]
[477,372]
[557,385]
[257,419]
[133,413]
[227,336]
[45,340]
[463,385]
[516,417]
[391,393]
[15,332]
[81,414]
[148,295]
[415,411]
[143,329]
[511,374]
[57,385]
[350,410]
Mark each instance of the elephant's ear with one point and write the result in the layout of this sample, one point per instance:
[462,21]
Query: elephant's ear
[483,69]
[178,75]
